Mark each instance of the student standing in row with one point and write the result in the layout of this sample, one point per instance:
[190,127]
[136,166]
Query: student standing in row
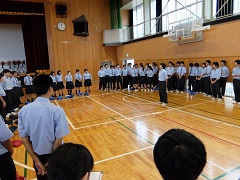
[2,99]
[7,167]
[69,83]
[162,78]
[111,78]
[150,75]
[129,68]
[59,82]
[170,72]
[206,80]
[55,88]
[197,86]
[7,86]
[125,77]
[155,76]
[142,78]
[87,80]
[215,81]
[181,72]
[224,76]
[41,136]
[28,81]
[101,74]
[118,74]
[107,78]
[192,77]
[78,81]
[16,92]
[236,81]
[134,74]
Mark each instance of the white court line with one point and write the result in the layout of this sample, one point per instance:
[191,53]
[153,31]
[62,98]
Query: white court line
[125,154]
[133,102]
[210,162]
[67,117]
[24,166]
[122,115]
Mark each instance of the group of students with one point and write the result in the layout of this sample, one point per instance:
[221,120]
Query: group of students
[10,92]
[43,139]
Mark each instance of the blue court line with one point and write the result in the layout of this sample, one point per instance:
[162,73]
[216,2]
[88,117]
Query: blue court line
[205,176]
[227,173]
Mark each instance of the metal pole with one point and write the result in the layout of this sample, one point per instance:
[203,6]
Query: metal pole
[220,8]
[187,9]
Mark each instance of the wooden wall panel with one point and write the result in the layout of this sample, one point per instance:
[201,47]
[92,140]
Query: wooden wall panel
[68,52]
[221,42]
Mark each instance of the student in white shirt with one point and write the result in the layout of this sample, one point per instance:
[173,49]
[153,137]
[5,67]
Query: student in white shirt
[2,99]
[60,82]
[224,75]
[78,81]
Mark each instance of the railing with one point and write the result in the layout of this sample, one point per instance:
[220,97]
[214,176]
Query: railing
[149,28]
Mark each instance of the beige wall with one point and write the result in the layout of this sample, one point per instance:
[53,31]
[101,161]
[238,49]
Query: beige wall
[221,42]
[68,52]
[125,17]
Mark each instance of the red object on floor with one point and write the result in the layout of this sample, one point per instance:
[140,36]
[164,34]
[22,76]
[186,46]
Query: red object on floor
[16,143]
[19,177]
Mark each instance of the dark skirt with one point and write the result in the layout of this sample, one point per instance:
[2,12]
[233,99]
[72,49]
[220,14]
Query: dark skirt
[55,87]
[21,93]
[60,85]
[69,85]
[142,80]
[149,80]
[134,80]
[29,89]
[78,83]
[87,82]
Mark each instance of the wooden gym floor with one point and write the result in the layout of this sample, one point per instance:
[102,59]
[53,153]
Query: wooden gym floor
[121,128]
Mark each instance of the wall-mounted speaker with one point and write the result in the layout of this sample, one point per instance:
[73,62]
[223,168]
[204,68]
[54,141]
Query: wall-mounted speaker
[80,26]
[61,10]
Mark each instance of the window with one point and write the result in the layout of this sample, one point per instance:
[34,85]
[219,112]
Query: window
[138,19]
[236,6]
[153,16]
[176,11]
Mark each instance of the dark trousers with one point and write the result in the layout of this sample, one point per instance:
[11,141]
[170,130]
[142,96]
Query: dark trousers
[216,89]
[175,82]
[119,82]
[7,167]
[155,80]
[170,83]
[236,88]
[206,85]
[113,82]
[9,100]
[3,110]
[162,91]
[223,82]
[129,80]
[43,159]
[181,83]
[125,82]
[15,97]
[198,86]
[102,83]
[191,83]
[107,81]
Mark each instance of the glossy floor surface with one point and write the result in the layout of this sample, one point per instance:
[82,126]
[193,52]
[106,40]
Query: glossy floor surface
[121,128]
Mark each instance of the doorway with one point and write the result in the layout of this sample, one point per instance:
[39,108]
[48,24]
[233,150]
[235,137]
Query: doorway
[128,60]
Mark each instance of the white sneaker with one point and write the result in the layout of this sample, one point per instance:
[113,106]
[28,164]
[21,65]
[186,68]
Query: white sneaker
[213,98]
[16,109]
[238,103]
[219,99]
[145,89]
[181,91]
[148,89]
[234,102]
[99,90]
[177,90]
[171,91]
[135,90]
[208,95]
[203,93]
[151,90]
[164,104]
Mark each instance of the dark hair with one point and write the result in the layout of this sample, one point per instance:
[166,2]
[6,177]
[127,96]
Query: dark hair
[191,64]
[163,65]
[150,67]
[196,64]
[223,61]
[69,161]
[101,67]
[85,70]
[178,154]
[124,65]
[27,72]
[237,61]
[204,64]
[68,72]
[77,70]
[42,83]
[13,72]
[208,61]
[178,62]
[1,75]
[58,72]
[52,72]
[216,64]
[170,62]
[181,62]
[6,71]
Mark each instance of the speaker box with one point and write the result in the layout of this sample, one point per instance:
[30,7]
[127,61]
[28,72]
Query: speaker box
[61,10]
[80,26]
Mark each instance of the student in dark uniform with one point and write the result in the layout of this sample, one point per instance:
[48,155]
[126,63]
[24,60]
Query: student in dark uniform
[107,79]
[129,68]
[224,75]
[142,78]
[111,79]
[101,75]
[134,75]
[55,88]
[2,99]
[155,76]
[171,72]
[181,77]
[28,81]
[125,77]
[191,77]
[150,75]
[87,80]
[215,81]
[7,167]
[118,73]
[69,83]
[59,82]
[163,78]
[21,93]
[78,81]
[16,93]
[176,75]
[206,80]
[7,86]
[236,82]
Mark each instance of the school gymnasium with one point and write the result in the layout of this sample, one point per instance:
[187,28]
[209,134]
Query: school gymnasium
[121,121]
